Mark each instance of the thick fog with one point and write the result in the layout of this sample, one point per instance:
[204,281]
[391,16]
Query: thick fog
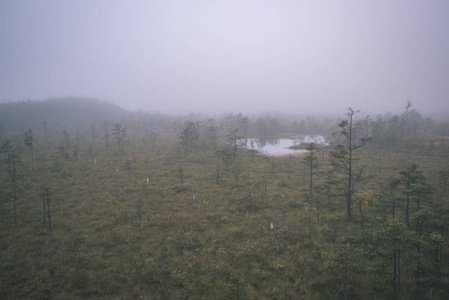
[229,56]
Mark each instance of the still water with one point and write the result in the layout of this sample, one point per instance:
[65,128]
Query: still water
[279,147]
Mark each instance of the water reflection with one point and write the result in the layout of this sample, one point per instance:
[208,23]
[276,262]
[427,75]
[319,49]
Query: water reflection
[279,147]
[317,139]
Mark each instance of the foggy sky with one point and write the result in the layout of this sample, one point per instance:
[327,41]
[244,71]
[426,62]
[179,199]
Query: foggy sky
[229,56]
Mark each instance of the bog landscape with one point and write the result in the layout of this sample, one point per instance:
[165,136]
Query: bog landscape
[101,203]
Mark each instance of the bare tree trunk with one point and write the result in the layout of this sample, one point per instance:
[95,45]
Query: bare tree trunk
[399,271]
[44,217]
[48,212]
[345,282]
[14,195]
[395,267]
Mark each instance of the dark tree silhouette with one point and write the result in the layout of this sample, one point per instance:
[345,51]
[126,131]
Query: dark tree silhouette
[28,140]
[343,155]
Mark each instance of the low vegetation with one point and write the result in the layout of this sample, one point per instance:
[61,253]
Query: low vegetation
[179,212]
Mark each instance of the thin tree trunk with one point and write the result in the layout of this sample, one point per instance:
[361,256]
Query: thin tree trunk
[14,212]
[418,273]
[362,224]
[14,196]
[218,176]
[395,266]
[394,208]
[372,229]
[32,159]
[311,176]
[345,283]
[439,257]
[407,206]
[43,208]
[380,158]
[48,213]
[349,200]
[399,271]
[349,191]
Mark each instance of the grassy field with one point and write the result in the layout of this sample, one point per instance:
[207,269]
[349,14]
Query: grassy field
[182,235]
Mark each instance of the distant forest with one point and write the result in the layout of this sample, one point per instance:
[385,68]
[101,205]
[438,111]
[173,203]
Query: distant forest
[86,116]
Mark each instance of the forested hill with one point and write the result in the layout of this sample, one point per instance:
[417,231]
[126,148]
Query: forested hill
[60,112]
